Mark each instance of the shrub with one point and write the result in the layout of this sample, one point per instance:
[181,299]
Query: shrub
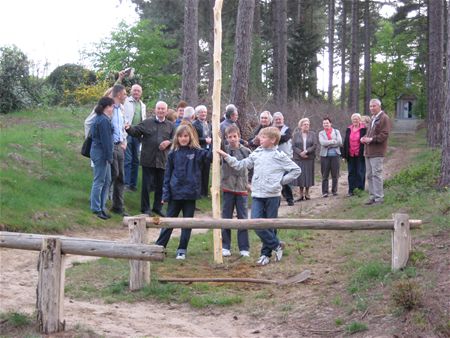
[86,94]
[406,294]
[354,327]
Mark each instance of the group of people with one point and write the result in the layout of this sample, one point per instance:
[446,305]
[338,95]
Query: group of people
[175,156]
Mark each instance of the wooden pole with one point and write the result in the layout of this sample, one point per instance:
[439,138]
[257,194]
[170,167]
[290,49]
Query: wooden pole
[277,223]
[401,241]
[50,289]
[84,246]
[215,186]
[139,270]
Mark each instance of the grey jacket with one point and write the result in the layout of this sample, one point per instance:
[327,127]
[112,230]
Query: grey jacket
[272,169]
[325,143]
[232,179]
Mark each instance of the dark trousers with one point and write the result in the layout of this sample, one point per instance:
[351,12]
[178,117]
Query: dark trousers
[356,173]
[205,179]
[152,180]
[286,191]
[117,178]
[173,210]
[229,202]
[330,164]
[132,161]
[266,208]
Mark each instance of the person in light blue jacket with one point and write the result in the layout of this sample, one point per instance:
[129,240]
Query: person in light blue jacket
[272,170]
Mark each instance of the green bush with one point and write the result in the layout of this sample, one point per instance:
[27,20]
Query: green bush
[406,294]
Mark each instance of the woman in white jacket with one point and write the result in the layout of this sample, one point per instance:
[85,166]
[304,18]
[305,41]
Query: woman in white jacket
[330,142]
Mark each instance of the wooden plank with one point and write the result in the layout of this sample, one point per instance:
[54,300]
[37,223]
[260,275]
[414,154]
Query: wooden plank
[401,241]
[216,114]
[139,270]
[84,246]
[50,289]
[279,223]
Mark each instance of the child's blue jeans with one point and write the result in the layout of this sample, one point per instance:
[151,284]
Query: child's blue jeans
[266,208]
[229,202]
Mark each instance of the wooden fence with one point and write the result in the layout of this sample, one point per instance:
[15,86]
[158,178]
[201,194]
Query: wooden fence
[52,249]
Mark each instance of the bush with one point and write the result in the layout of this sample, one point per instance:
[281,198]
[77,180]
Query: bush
[66,79]
[14,80]
[86,94]
[406,294]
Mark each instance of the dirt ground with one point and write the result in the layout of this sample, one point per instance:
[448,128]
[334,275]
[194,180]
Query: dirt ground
[309,315]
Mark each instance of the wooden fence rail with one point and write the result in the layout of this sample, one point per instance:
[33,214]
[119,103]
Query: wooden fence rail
[50,289]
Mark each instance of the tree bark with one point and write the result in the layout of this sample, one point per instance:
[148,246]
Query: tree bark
[343,51]
[353,96]
[445,164]
[242,58]
[331,11]
[190,53]
[256,85]
[280,54]
[435,72]
[367,63]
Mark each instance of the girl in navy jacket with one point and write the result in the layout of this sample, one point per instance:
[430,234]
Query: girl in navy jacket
[182,182]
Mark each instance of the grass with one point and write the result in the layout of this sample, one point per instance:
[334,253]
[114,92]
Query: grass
[355,327]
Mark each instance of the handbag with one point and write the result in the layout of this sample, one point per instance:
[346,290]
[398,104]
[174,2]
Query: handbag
[86,147]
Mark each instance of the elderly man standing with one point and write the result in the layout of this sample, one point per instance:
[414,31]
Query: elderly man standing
[375,141]
[204,133]
[156,134]
[231,116]
[285,145]
[119,94]
[135,113]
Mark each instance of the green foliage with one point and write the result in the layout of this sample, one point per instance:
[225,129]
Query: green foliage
[15,319]
[66,79]
[85,94]
[15,91]
[144,48]
[406,294]
[354,327]
[338,321]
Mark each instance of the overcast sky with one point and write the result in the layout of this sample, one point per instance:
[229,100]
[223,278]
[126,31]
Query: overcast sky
[56,30]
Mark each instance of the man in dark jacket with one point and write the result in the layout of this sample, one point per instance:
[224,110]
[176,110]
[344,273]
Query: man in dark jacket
[156,134]
[375,149]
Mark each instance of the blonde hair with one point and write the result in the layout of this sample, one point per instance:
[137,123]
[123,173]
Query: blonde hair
[303,120]
[271,132]
[188,129]
[356,115]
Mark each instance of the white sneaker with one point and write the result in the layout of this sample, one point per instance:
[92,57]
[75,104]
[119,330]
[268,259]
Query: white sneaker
[181,256]
[244,253]
[263,260]
[279,252]
[226,253]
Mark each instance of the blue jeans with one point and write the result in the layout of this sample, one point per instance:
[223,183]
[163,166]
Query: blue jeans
[132,161]
[100,185]
[230,201]
[266,208]
[173,210]
[356,173]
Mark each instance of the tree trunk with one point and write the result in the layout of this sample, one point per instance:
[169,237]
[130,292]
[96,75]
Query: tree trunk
[242,58]
[435,72]
[445,164]
[330,49]
[367,65]
[190,53]
[256,85]
[343,51]
[280,54]
[211,49]
[353,96]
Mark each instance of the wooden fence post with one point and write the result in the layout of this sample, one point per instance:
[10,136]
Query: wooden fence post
[139,270]
[401,241]
[50,289]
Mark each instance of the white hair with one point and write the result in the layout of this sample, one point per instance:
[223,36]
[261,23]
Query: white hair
[378,102]
[356,115]
[200,108]
[161,102]
[188,113]
[278,114]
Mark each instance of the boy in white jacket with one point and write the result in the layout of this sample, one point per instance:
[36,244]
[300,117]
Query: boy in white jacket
[272,169]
